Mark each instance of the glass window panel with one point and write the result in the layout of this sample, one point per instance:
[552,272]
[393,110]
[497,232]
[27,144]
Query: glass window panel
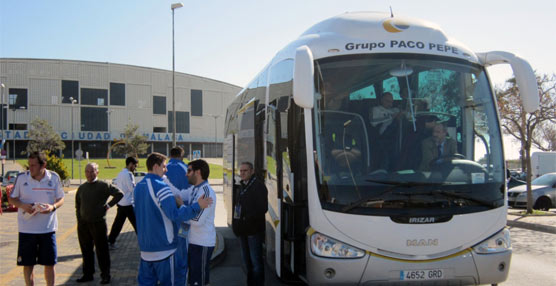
[182,122]
[196,102]
[159,105]
[94,119]
[94,96]
[18,98]
[117,94]
[70,88]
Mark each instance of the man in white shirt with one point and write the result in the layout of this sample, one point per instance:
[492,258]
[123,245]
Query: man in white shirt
[37,193]
[202,233]
[125,181]
[385,113]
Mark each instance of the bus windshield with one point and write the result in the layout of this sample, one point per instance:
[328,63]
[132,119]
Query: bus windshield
[406,134]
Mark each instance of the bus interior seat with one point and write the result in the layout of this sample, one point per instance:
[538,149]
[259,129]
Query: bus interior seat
[345,145]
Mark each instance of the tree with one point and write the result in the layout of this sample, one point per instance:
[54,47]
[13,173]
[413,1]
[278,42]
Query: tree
[56,164]
[132,144]
[42,137]
[533,129]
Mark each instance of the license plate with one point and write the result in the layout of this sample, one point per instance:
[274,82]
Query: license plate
[430,274]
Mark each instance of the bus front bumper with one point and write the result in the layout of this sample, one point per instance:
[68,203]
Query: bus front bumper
[463,268]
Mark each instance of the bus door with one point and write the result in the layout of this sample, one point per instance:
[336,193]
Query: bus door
[284,202]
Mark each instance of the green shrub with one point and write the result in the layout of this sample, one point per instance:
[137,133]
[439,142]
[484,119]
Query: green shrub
[56,164]
[53,163]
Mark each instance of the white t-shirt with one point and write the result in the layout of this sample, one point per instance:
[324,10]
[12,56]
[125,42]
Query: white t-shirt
[383,116]
[202,231]
[126,183]
[29,191]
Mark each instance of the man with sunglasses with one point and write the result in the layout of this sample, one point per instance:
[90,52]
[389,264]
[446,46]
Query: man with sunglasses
[202,233]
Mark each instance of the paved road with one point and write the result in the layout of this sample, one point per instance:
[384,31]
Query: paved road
[125,260]
[534,258]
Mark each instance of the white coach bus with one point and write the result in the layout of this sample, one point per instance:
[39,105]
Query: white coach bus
[340,124]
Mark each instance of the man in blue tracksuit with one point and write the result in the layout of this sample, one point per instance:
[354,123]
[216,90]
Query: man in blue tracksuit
[177,169]
[177,179]
[157,214]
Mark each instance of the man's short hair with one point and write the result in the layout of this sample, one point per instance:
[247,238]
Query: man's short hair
[40,156]
[176,152]
[386,94]
[155,158]
[92,164]
[200,165]
[248,164]
[131,160]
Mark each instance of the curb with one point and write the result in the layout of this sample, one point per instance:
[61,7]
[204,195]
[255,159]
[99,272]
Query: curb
[219,250]
[532,226]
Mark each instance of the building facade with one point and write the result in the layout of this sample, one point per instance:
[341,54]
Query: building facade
[93,102]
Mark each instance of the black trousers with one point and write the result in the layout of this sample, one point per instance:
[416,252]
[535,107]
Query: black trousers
[122,213]
[94,234]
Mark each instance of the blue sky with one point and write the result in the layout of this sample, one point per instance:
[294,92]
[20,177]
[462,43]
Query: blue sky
[232,40]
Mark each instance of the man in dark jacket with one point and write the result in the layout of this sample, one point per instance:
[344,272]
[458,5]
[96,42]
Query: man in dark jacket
[91,207]
[249,222]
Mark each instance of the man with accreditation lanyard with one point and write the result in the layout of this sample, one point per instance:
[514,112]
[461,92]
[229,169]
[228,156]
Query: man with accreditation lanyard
[37,193]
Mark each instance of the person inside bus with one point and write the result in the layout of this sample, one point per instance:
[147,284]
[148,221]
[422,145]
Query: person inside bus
[411,153]
[334,99]
[437,147]
[385,120]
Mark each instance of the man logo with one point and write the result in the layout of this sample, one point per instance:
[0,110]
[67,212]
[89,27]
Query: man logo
[422,242]
[394,25]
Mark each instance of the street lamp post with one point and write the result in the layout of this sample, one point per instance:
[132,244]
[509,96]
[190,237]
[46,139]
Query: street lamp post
[108,112]
[73,101]
[174,6]
[215,141]
[2,119]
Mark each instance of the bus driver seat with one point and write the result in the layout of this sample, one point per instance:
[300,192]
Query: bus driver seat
[347,157]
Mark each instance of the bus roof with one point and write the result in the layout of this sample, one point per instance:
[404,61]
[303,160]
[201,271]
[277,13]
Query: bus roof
[375,32]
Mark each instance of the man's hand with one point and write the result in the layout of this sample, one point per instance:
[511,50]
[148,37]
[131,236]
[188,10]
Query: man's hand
[28,208]
[179,201]
[204,202]
[47,208]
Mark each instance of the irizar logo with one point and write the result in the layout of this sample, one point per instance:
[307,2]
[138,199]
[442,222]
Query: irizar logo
[422,242]
[421,220]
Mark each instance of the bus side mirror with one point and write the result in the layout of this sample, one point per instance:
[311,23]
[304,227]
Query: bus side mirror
[303,77]
[524,76]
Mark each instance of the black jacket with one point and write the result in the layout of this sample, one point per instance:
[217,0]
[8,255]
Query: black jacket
[252,198]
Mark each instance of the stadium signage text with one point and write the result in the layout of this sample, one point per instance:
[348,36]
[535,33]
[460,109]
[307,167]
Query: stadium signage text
[93,136]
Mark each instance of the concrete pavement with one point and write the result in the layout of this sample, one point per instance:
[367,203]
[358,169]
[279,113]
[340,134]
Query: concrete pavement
[124,260]
[545,223]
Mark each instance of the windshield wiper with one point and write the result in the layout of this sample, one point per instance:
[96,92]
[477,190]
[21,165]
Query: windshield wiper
[393,186]
[407,183]
[450,194]
[465,197]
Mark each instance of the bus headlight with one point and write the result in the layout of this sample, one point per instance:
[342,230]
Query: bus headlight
[497,243]
[325,246]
